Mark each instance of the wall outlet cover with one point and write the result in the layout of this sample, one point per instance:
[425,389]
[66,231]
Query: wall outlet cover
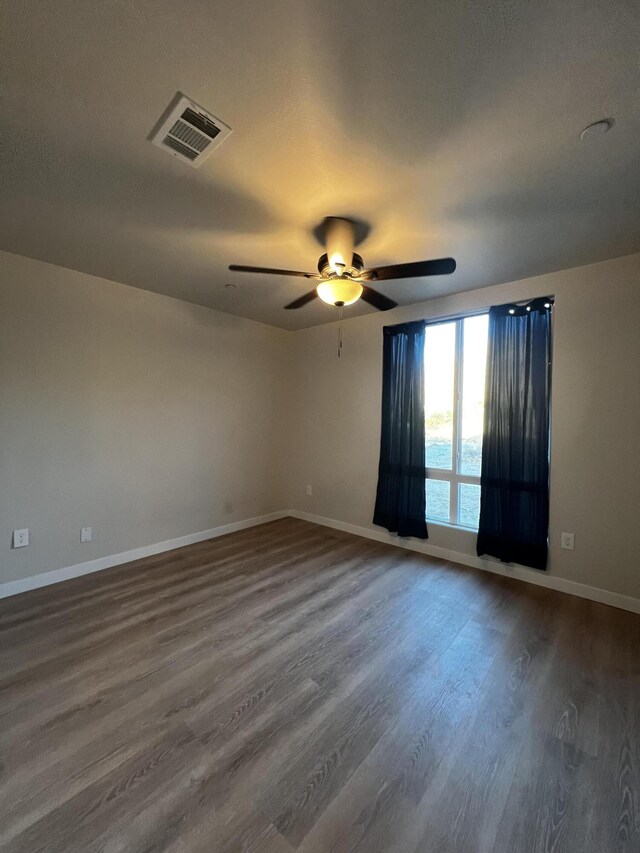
[21,538]
[309,490]
[567,541]
[86,534]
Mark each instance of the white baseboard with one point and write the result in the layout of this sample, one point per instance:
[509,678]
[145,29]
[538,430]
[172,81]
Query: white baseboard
[614,599]
[58,575]
[603,596]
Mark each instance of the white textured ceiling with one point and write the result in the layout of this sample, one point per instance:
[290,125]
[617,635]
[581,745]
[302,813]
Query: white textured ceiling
[450,127]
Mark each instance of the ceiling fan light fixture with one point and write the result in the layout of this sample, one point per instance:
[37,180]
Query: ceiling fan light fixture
[339,291]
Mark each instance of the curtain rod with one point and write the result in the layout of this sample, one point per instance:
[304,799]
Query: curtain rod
[450,318]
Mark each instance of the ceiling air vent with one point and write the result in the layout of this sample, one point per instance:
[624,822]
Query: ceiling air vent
[189,132]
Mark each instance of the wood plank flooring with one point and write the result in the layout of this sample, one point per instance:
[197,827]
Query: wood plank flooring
[292,687]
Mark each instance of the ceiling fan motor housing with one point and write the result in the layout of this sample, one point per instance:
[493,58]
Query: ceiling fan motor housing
[353,271]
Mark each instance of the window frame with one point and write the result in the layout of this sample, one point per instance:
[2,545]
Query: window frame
[453,475]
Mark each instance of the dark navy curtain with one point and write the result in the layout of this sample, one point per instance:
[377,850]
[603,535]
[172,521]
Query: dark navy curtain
[514,503]
[400,499]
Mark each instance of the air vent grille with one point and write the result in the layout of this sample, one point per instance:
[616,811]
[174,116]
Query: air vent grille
[176,145]
[189,136]
[189,132]
[201,122]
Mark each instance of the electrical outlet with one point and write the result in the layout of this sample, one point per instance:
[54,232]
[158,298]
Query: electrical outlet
[85,534]
[21,538]
[309,490]
[566,541]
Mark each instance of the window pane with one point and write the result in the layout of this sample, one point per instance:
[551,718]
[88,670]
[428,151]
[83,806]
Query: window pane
[473,371]
[439,361]
[469,505]
[438,499]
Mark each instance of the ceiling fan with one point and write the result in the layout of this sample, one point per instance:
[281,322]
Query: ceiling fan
[342,277]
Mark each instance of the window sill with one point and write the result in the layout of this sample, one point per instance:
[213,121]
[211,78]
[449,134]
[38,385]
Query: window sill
[437,522]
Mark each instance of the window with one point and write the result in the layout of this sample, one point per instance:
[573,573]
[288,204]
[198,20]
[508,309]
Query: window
[455,355]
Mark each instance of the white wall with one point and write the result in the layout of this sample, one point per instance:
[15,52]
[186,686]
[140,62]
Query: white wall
[143,417]
[595,457]
[136,414]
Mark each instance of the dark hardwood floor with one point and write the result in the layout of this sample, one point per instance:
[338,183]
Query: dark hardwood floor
[291,687]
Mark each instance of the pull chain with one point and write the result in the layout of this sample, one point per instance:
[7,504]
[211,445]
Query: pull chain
[339,331]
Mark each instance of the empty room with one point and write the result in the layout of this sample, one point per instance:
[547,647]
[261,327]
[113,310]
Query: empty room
[320,426]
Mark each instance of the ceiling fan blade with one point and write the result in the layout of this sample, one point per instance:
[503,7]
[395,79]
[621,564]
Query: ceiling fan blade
[441,266]
[241,268]
[378,300]
[302,300]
